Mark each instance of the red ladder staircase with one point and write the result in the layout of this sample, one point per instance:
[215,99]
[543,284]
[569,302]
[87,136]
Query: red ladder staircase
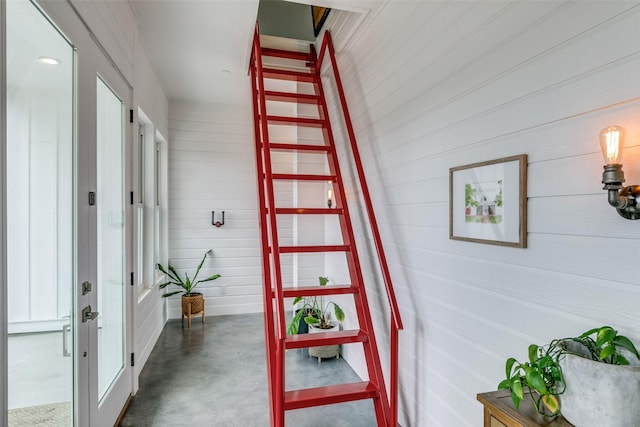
[274,294]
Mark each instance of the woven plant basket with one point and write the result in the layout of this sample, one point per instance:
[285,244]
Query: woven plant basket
[197,303]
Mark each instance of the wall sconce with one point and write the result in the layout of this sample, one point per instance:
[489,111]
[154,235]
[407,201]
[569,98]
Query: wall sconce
[624,199]
[329,197]
[213,219]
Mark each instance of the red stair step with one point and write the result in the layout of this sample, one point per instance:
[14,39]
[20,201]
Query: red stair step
[325,338]
[296,121]
[307,249]
[328,395]
[309,211]
[279,53]
[298,147]
[316,290]
[303,177]
[296,76]
[300,98]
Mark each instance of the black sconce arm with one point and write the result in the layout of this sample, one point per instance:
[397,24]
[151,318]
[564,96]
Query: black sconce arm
[213,219]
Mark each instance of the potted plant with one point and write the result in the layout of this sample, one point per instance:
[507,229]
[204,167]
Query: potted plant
[579,377]
[192,302]
[314,312]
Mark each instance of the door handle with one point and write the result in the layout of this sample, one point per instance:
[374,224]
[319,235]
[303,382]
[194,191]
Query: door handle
[87,314]
[65,333]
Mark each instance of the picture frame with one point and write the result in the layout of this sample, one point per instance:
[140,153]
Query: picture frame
[488,202]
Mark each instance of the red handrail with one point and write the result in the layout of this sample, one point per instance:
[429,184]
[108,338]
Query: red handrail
[396,321]
[265,175]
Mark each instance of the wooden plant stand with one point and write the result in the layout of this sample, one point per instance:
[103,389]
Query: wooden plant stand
[191,306]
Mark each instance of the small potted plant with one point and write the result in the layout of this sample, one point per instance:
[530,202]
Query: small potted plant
[192,302]
[574,375]
[314,312]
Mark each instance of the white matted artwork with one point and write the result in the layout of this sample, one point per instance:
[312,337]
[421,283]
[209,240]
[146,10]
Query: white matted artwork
[488,202]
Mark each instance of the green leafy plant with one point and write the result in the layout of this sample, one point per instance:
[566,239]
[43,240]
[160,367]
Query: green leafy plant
[542,375]
[315,311]
[188,283]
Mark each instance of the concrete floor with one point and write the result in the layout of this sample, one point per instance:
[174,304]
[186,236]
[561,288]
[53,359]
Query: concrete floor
[214,375]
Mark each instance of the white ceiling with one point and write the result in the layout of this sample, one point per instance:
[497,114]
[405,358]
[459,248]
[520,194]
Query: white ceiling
[200,48]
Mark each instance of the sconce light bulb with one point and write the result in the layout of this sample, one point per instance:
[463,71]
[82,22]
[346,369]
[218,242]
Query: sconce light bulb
[611,144]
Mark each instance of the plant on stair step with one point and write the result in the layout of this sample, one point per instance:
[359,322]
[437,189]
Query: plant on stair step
[187,283]
[315,311]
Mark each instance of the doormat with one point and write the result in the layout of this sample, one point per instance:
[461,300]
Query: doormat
[51,415]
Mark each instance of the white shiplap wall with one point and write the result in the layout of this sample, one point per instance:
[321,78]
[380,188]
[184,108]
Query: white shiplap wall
[433,85]
[212,167]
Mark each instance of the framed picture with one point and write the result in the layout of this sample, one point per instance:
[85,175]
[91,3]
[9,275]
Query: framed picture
[488,202]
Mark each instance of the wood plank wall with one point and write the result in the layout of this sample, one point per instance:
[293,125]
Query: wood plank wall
[433,85]
[212,167]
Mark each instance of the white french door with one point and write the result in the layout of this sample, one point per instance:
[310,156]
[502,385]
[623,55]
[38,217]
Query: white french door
[105,304]
[71,222]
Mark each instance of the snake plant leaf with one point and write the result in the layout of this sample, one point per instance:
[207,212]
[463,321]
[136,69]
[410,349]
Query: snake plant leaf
[168,294]
[210,278]
[605,335]
[165,284]
[552,403]
[626,343]
[187,283]
[176,275]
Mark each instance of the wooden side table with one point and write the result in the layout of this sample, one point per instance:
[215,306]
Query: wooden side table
[500,412]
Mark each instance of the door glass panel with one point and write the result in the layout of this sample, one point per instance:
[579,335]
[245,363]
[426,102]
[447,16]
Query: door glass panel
[111,236]
[40,214]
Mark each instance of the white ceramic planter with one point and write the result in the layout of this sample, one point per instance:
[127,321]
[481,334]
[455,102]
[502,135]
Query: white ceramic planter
[600,394]
[324,351]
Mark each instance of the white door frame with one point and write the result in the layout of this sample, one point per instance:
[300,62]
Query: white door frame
[3,216]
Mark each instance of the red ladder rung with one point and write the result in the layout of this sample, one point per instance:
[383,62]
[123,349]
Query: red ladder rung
[325,338]
[309,249]
[298,147]
[328,395]
[309,211]
[296,76]
[302,177]
[316,290]
[278,53]
[296,121]
[299,98]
